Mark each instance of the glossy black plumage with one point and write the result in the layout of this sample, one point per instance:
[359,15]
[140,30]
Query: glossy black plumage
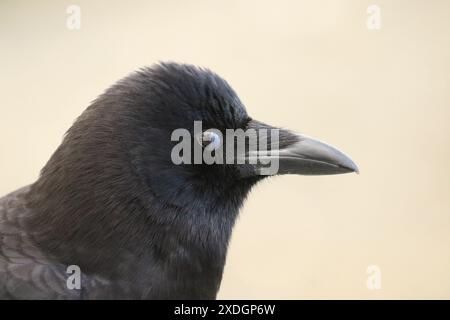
[111,201]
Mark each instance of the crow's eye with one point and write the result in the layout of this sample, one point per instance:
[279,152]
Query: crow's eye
[209,139]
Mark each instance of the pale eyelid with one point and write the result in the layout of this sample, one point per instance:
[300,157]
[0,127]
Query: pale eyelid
[214,139]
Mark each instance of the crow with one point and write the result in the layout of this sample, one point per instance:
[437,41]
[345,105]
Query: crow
[112,208]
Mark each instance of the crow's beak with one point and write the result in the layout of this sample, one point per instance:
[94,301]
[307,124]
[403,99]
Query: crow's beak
[312,157]
[299,154]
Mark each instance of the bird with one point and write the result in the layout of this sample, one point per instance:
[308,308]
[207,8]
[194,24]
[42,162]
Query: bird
[111,201]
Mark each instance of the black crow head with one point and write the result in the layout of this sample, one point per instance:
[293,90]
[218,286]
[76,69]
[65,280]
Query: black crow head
[128,139]
[127,183]
[160,100]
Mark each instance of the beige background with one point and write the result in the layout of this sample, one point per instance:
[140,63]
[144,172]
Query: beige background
[313,66]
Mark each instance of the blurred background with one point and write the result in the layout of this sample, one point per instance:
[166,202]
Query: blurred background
[319,67]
